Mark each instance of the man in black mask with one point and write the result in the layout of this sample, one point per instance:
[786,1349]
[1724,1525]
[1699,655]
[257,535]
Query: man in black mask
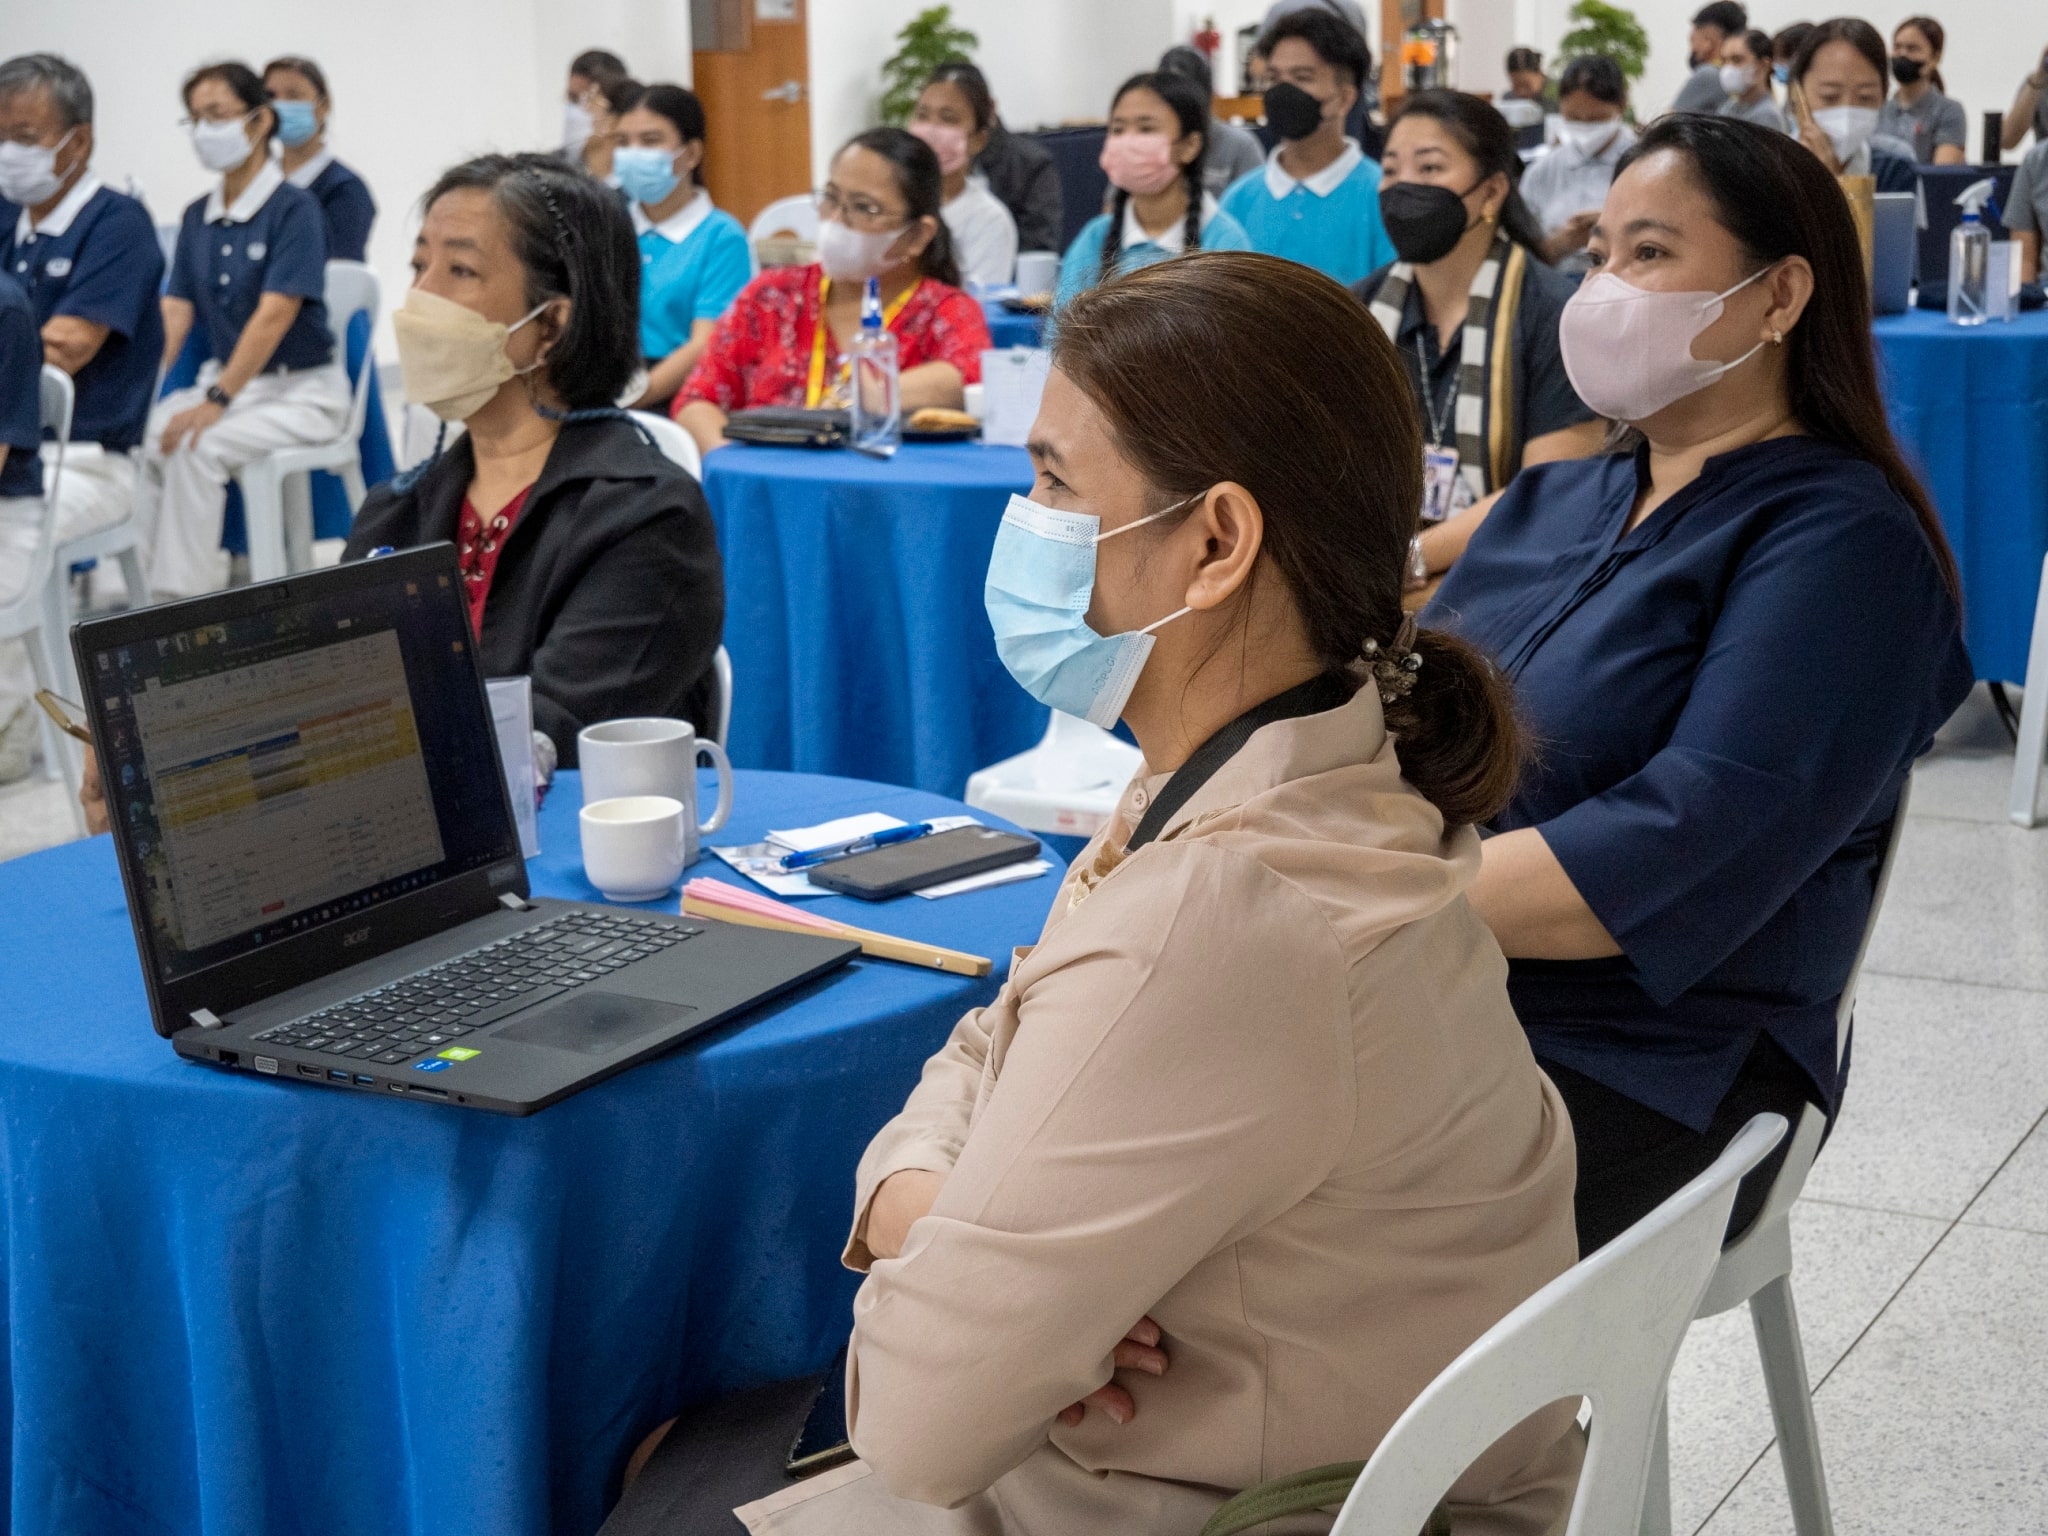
[1316,200]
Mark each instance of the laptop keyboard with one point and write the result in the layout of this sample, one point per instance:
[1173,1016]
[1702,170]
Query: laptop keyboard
[432,1009]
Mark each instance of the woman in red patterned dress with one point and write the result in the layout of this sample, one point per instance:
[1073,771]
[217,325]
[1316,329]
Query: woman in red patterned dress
[880,218]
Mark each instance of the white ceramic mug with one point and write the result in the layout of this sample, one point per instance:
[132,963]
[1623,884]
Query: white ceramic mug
[652,756]
[633,846]
[1037,271]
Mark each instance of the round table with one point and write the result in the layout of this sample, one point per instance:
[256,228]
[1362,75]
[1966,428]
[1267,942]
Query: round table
[853,610]
[1970,406]
[236,1304]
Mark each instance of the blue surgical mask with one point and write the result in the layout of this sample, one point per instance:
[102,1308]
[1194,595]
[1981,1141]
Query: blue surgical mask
[295,123]
[1782,73]
[648,175]
[1041,579]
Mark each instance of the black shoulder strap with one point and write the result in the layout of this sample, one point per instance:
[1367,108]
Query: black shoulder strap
[1313,697]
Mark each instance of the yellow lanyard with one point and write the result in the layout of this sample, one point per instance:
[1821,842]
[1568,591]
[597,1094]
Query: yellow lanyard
[814,387]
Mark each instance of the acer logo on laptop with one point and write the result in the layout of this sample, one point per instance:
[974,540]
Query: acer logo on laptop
[351,940]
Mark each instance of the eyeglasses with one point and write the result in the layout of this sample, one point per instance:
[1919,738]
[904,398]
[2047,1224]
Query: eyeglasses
[857,212]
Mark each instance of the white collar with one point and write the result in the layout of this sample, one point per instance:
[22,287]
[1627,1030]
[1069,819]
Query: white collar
[250,203]
[1324,182]
[307,174]
[60,217]
[1174,241]
[678,226]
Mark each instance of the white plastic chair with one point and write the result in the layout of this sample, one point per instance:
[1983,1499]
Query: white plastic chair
[1757,1268]
[1607,1329]
[2033,738]
[797,215]
[673,441]
[681,448]
[27,616]
[1068,784]
[281,537]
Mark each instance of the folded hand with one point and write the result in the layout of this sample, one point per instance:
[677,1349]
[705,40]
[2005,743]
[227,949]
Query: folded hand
[1139,1351]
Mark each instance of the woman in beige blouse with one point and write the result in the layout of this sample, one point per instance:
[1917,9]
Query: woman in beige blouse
[1250,1145]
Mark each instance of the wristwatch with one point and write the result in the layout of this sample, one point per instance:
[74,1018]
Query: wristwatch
[215,395]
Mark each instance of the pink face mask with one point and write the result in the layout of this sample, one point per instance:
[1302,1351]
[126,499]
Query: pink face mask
[1139,163]
[948,142]
[1628,350]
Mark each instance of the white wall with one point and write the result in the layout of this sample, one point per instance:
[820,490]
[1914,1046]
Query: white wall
[1991,43]
[418,84]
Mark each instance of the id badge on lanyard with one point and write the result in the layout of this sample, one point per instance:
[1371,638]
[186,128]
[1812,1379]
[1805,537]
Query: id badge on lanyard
[1442,491]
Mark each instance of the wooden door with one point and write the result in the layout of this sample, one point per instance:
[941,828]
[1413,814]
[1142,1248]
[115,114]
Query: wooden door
[753,75]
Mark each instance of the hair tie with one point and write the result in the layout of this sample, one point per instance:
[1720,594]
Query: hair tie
[1394,667]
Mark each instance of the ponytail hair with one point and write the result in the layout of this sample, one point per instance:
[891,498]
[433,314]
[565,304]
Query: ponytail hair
[1191,110]
[1229,365]
[923,187]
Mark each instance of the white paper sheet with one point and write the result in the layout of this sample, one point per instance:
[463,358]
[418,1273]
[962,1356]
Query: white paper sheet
[1031,869]
[1012,379]
[512,719]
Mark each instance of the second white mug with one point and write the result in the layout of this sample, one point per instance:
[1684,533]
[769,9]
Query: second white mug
[651,755]
[633,846]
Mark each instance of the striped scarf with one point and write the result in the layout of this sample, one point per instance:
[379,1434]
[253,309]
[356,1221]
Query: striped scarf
[1485,411]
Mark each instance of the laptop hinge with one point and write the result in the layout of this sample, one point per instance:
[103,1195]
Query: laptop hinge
[512,901]
[205,1018]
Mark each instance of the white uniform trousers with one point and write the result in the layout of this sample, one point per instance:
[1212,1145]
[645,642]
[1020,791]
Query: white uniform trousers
[180,496]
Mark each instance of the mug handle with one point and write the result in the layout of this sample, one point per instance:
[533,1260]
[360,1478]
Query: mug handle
[724,766]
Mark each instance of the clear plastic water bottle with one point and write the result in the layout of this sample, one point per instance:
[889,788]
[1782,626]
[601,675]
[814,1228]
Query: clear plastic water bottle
[877,398]
[1969,259]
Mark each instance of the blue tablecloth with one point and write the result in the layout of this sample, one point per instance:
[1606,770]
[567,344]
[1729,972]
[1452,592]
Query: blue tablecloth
[236,1305]
[1970,407]
[853,611]
[1012,328]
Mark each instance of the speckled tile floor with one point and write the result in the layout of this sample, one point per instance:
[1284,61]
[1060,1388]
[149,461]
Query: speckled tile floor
[1922,1242]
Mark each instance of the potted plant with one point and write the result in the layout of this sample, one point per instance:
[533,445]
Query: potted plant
[929,40]
[1608,29]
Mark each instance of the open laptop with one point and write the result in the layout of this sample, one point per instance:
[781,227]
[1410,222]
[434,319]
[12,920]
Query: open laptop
[323,870]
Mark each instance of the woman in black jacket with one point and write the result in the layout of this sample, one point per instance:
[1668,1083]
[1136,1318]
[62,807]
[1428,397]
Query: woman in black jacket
[589,558]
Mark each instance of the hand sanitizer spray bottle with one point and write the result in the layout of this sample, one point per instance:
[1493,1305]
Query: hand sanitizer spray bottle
[877,401]
[1969,257]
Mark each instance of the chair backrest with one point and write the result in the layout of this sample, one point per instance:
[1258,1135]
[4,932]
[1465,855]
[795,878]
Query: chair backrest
[721,669]
[352,289]
[673,441]
[1607,1329]
[55,397]
[1846,1007]
[796,215]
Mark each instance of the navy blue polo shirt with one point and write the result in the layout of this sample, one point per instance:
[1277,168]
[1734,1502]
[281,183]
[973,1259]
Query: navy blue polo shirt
[21,369]
[224,266]
[347,209]
[103,265]
[1726,700]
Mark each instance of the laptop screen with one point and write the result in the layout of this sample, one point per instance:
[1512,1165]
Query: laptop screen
[290,766]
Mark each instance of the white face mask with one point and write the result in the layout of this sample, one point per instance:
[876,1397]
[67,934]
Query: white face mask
[1628,350]
[577,126]
[1847,128]
[1589,139]
[28,172]
[221,146]
[1737,78]
[849,254]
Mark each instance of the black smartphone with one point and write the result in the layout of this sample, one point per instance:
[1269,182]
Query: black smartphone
[821,1443]
[922,862]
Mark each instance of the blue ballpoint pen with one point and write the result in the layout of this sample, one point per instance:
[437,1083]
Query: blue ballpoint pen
[864,844]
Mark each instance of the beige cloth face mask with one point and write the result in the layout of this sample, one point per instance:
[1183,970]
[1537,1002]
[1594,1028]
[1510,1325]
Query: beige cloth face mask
[452,358]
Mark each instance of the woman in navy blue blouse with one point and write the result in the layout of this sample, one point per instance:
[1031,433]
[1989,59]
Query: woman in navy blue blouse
[1731,643]
[298,94]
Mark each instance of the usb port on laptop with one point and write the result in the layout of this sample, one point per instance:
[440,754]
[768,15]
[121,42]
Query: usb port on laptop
[336,1075]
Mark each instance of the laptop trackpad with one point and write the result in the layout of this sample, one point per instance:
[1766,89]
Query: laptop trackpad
[595,1023]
